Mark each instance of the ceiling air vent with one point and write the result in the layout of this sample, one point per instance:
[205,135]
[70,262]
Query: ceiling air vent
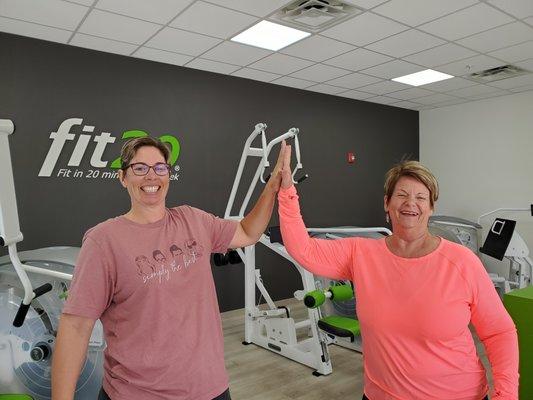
[315,15]
[497,74]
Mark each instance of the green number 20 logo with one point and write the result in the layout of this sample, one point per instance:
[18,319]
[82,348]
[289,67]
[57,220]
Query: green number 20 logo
[174,144]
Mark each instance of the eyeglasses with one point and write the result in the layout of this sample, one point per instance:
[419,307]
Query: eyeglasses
[141,169]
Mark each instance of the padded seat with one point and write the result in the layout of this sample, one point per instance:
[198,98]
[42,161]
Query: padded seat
[340,326]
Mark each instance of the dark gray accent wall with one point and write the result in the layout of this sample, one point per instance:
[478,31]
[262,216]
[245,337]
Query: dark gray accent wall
[43,83]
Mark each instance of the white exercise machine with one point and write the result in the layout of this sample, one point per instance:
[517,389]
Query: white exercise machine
[274,328]
[33,288]
[502,241]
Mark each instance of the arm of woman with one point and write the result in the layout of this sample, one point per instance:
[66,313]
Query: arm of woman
[330,258]
[497,331]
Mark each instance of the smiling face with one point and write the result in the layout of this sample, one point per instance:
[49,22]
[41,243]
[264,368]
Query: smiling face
[409,206]
[149,190]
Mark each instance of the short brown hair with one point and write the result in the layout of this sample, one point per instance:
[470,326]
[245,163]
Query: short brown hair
[415,170]
[131,146]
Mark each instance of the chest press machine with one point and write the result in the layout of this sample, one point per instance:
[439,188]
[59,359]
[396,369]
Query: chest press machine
[274,328]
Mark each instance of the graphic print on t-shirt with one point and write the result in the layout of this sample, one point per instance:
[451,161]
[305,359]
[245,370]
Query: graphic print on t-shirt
[144,266]
[162,267]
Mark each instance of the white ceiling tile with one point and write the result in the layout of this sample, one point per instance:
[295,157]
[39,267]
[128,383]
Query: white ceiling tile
[87,3]
[451,102]
[384,87]
[364,29]
[352,81]
[33,30]
[55,13]
[255,74]
[469,65]
[354,94]
[472,91]
[317,48]
[407,104]
[319,73]
[358,59]
[503,36]
[101,44]
[489,95]
[236,53]
[367,4]
[259,8]
[118,27]
[162,56]
[293,82]
[212,20]
[515,82]
[409,94]
[467,22]
[518,8]
[280,64]
[526,64]
[519,89]
[515,53]
[435,98]
[327,89]
[425,107]
[212,66]
[405,43]
[449,84]
[416,12]
[393,69]
[382,100]
[182,42]
[159,11]
[440,55]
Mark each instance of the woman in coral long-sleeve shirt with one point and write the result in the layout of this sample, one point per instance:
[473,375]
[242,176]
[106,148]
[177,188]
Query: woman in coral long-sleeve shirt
[416,296]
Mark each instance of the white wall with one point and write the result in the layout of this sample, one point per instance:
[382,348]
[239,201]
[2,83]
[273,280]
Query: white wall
[482,155]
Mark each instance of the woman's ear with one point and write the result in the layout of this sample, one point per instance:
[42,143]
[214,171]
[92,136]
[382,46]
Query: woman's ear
[385,203]
[122,177]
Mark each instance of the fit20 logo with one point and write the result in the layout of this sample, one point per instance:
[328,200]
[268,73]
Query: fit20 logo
[72,169]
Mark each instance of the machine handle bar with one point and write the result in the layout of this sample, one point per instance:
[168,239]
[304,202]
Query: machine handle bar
[23,309]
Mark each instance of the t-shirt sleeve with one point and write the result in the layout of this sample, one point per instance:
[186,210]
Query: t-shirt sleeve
[330,258]
[496,330]
[220,231]
[91,290]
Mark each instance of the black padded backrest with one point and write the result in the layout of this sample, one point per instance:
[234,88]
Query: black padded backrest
[498,238]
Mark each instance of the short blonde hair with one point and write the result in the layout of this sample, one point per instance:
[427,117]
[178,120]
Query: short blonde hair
[415,170]
[131,146]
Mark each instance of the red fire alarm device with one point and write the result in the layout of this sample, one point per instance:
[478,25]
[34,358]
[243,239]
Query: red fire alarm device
[351,158]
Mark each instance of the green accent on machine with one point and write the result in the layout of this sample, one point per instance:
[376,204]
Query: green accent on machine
[340,326]
[314,299]
[15,397]
[341,292]
[334,324]
[519,304]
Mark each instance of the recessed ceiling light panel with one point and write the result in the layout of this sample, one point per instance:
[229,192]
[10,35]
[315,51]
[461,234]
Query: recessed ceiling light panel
[422,77]
[270,36]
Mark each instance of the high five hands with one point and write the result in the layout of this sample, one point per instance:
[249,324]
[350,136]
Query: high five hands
[282,175]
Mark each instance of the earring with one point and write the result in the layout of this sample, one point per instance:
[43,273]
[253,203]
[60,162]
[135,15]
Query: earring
[387,218]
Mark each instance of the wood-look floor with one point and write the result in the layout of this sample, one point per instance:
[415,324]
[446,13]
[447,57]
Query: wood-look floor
[259,374]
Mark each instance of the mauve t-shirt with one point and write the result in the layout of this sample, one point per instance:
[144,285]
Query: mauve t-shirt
[151,286]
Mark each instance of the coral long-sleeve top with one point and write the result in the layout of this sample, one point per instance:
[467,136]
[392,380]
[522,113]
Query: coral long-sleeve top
[415,314]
